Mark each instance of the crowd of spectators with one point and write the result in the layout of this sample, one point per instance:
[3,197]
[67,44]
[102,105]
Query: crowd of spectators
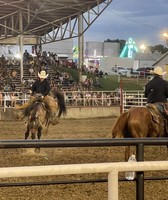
[13,90]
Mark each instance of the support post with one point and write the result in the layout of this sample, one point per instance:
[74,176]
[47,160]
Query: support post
[21,56]
[21,43]
[113,185]
[121,97]
[80,46]
[140,175]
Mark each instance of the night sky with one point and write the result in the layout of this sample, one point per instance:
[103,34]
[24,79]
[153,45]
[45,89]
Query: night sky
[143,20]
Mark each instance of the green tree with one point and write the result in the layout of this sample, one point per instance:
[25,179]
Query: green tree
[160,48]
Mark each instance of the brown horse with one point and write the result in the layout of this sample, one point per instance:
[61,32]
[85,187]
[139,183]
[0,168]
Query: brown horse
[38,116]
[138,122]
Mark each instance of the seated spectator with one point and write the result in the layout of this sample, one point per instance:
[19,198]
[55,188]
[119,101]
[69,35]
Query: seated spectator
[1,98]
[43,66]
[7,100]
[30,82]
[23,83]
[7,87]
[13,99]
[66,79]
[1,82]
[14,74]
[8,79]
[13,87]
[31,71]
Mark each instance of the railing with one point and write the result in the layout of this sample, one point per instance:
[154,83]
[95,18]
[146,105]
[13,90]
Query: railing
[111,168]
[83,98]
[72,98]
[133,99]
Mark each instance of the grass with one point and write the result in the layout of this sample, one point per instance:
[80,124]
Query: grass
[108,83]
[113,82]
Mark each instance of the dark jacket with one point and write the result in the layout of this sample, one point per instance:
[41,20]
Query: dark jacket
[41,87]
[156,90]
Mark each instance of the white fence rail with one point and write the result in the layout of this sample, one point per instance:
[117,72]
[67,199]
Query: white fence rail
[111,168]
[84,98]
[133,99]
[72,98]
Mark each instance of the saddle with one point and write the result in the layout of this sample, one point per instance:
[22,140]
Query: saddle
[165,106]
[159,110]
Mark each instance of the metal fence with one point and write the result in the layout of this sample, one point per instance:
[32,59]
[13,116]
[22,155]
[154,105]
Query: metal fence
[111,168]
[83,98]
[72,98]
[133,99]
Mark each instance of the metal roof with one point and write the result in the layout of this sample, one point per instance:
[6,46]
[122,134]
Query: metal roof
[39,17]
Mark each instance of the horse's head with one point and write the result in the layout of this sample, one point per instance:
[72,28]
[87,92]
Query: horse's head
[33,122]
[37,120]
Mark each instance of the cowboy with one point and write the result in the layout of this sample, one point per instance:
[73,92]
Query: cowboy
[156,90]
[41,89]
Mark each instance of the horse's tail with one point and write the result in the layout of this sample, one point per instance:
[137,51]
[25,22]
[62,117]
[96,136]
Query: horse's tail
[120,125]
[61,103]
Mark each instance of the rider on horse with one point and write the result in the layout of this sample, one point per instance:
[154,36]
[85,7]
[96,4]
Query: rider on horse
[156,89]
[156,92]
[40,90]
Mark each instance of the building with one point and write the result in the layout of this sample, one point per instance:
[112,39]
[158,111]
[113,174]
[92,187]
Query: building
[102,49]
[64,47]
[145,59]
[163,62]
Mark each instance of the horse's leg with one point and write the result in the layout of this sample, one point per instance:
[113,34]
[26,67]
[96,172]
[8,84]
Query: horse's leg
[27,133]
[39,133]
[127,153]
[37,150]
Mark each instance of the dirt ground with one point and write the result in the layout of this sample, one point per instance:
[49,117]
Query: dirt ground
[73,129]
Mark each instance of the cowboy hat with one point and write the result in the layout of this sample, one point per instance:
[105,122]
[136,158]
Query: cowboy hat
[158,71]
[42,74]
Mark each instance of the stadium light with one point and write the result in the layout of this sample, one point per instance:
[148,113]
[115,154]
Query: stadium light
[142,47]
[165,35]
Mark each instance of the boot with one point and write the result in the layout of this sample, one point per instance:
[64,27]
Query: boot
[25,105]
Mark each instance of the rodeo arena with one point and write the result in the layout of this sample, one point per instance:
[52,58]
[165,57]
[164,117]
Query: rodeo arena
[76,157]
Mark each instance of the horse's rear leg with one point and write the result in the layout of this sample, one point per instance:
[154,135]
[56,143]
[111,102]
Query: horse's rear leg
[127,153]
[39,133]
[37,150]
[26,134]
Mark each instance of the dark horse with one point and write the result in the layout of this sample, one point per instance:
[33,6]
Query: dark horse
[139,122]
[38,117]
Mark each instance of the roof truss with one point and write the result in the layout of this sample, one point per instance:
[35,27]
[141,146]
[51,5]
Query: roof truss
[49,20]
